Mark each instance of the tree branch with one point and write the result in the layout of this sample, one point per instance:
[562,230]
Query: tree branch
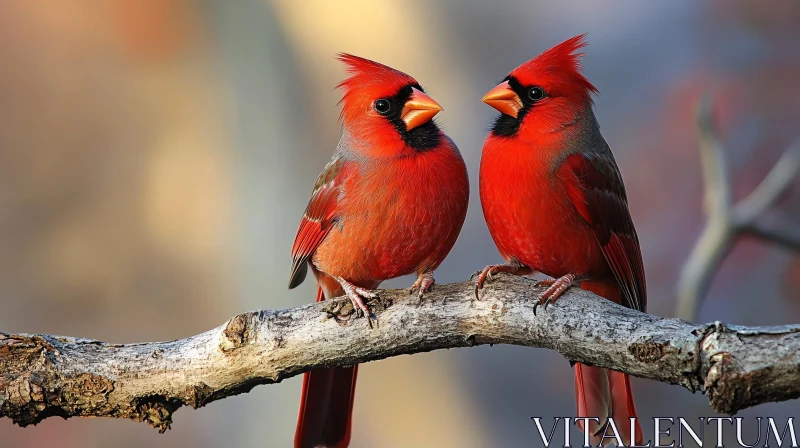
[43,376]
[727,221]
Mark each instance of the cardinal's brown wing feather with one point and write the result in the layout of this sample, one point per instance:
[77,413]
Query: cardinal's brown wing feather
[598,195]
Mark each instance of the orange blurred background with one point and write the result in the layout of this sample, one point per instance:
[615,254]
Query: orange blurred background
[156,157]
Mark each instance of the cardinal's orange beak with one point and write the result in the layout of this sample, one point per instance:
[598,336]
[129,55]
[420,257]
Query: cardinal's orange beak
[504,99]
[419,109]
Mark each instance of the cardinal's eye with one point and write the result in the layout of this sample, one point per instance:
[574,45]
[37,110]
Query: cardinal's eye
[536,93]
[383,106]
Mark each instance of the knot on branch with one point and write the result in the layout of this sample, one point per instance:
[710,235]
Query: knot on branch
[28,399]
[87,390]
[197,395]
[725,383]
[710,336]
[721,386]
[237,332]
[156,410]
[18,350]
[649,351]
[24,391]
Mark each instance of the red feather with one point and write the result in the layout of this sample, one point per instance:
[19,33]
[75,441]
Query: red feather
[369,81]
[318,218]
[554,201]
[326,405]
[558,70]
[385,206]
[598,194]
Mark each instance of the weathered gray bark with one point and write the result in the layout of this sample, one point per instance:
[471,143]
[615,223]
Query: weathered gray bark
[43,376]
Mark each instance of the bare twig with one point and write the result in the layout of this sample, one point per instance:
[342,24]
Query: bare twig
[727,221]
[777,231]
[43,376]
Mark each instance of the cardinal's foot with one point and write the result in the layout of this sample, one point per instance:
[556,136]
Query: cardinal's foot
[357,296]
[490,271]
[424,283]
[556,288]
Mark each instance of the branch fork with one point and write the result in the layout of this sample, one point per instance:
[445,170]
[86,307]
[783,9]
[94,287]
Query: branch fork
[726,221]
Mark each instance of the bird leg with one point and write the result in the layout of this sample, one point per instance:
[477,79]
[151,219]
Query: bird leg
[357,295]
[488,273]
[424,283]
[556,288]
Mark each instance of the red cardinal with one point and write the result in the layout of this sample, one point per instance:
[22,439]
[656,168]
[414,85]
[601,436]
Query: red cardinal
[391,202]
[554,201]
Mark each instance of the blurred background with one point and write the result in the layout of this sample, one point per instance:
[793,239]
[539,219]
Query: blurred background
[156,157]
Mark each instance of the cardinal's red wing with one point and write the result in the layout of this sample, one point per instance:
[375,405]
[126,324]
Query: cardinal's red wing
[595,187]
[318,219]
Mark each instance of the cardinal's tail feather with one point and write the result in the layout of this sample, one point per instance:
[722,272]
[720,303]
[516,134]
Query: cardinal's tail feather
[623,407]
[601,394]
[326,406]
